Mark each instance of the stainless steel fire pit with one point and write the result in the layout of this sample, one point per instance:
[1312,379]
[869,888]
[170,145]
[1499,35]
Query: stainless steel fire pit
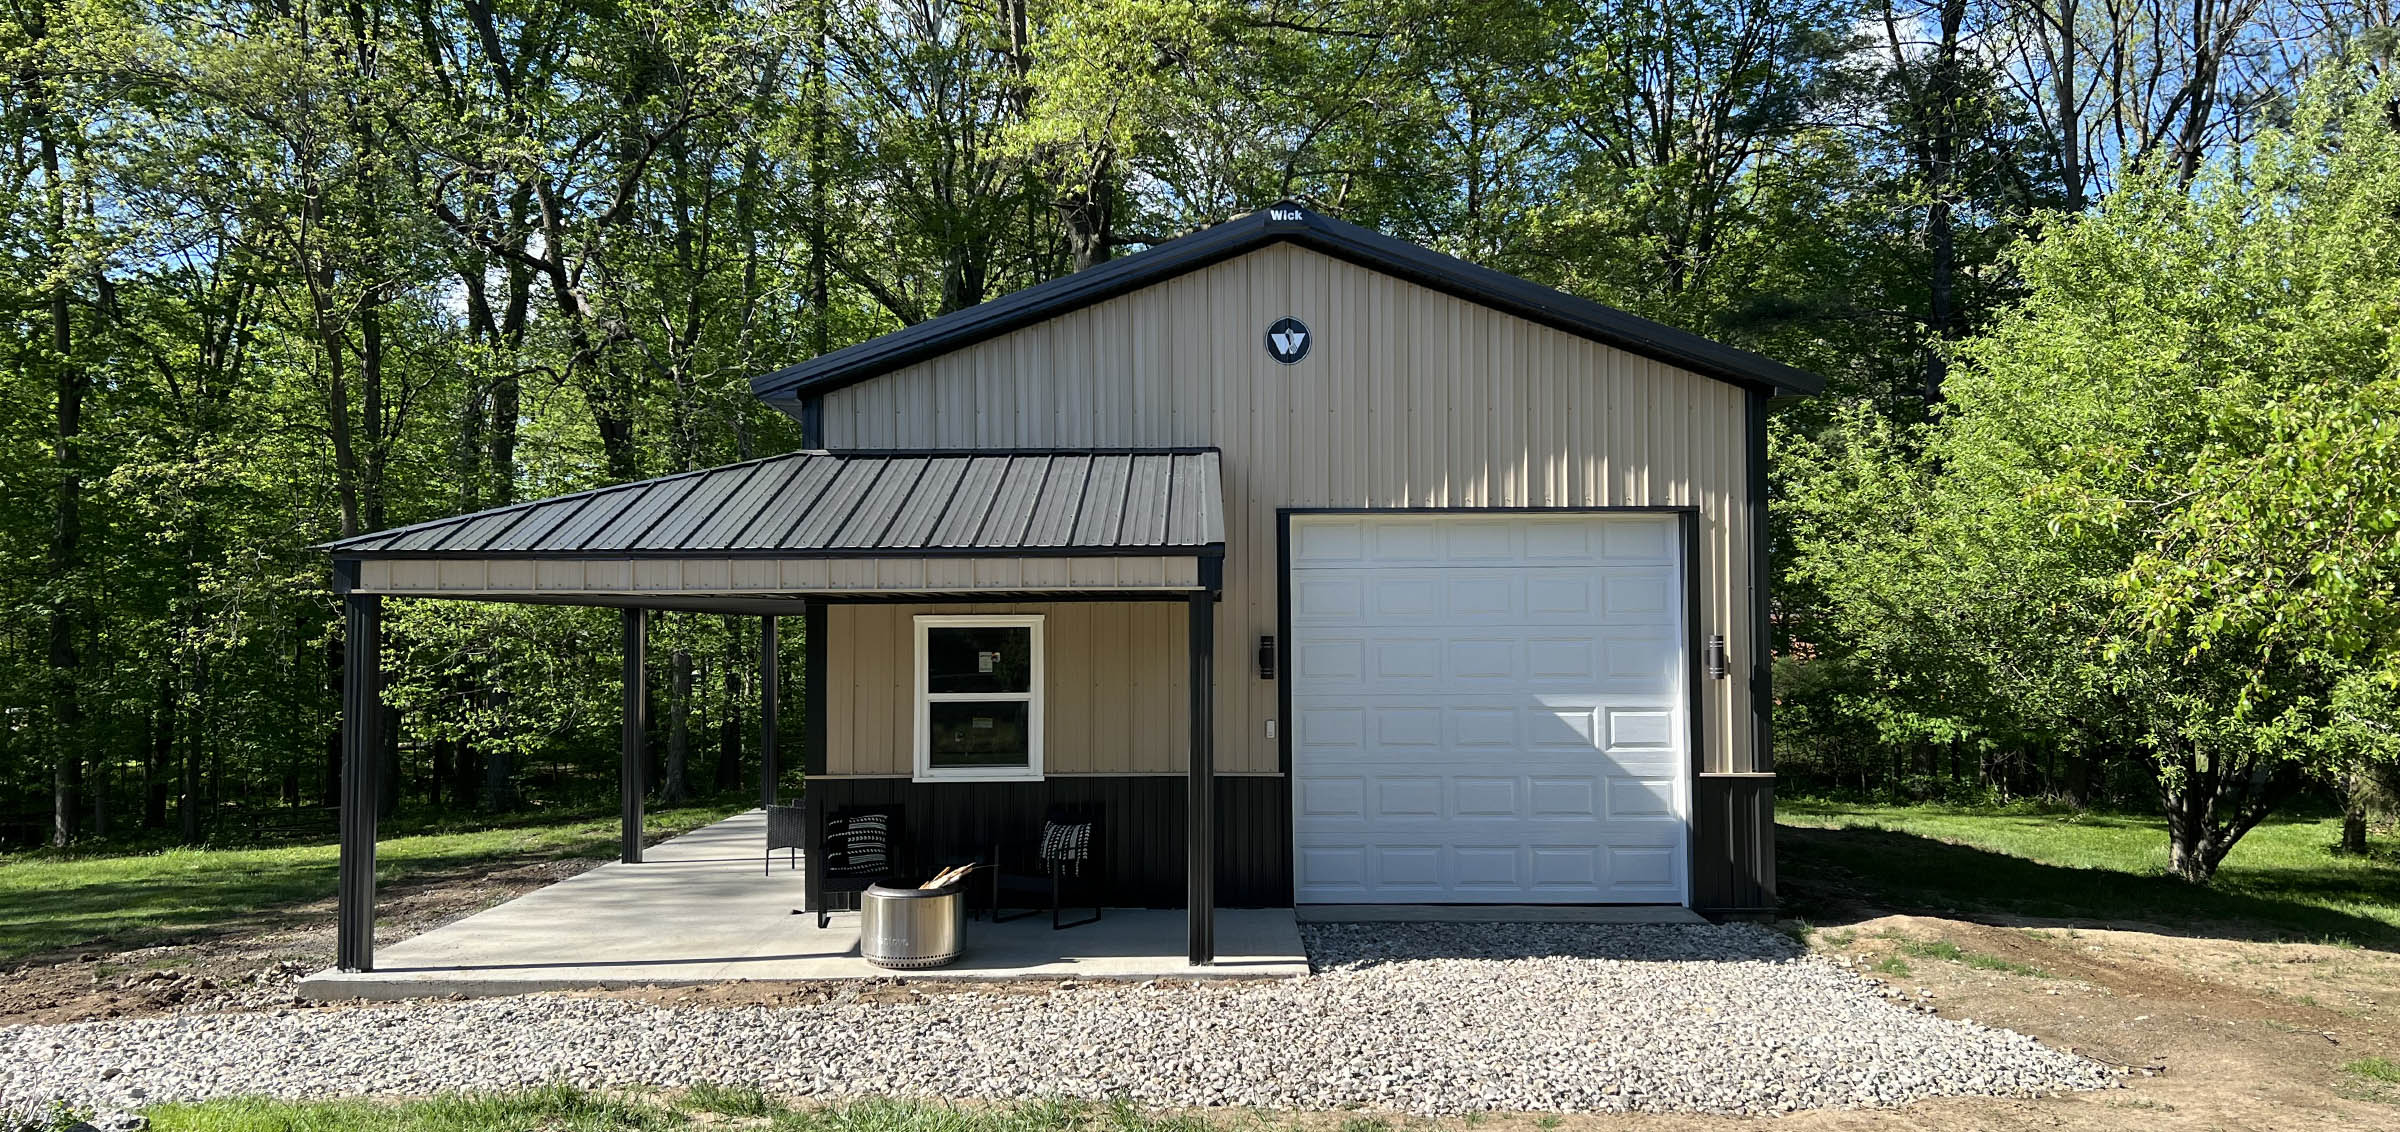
[912,928]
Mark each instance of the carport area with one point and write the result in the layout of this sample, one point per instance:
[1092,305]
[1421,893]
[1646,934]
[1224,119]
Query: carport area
[699,909]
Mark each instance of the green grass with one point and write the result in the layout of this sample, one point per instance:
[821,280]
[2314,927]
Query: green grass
[559,1108]
[2283,881]
[2377,1069]
[2374,1079]
[52,900]
[1949,952]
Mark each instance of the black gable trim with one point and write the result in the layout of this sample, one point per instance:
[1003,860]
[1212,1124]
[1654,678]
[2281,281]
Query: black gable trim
[788,387]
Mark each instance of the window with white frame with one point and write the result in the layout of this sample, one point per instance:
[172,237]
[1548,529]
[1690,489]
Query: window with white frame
[979,697]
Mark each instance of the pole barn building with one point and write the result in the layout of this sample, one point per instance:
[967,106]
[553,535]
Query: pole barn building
[1325,568]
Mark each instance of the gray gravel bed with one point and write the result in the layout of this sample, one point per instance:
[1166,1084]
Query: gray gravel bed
[1431,1019]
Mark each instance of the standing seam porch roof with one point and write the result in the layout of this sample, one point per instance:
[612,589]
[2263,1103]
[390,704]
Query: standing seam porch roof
[857,503]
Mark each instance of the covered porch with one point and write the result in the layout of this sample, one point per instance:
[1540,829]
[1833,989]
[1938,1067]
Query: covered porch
[699,909]
[788,536]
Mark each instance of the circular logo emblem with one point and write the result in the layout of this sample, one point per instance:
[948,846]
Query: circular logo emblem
[1287,340]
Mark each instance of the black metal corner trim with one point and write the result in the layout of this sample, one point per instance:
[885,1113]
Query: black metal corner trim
[1283,641]
[812,422]
[1285,221]
[812,692]
[1762,651]
[1695,696]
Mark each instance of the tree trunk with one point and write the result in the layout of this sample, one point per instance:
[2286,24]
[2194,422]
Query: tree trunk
[675,785]
[160,756]
[729,721]
[387,792]
[66,531]
[1089,215]
[499,764]
[499,780]
[187,805]
[2212,800]
[819,321]
[441,752]
[1948,96]
[2354,832]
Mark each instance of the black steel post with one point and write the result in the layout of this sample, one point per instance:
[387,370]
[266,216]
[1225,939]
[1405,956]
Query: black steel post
[637,731]
[1201,805]
[812,753]
[770,710]
[362,772]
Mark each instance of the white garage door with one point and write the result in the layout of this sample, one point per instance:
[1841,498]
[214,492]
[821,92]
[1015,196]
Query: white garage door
[1487,709]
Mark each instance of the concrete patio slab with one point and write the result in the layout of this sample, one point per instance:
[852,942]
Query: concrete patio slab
[1497,914]
[699,909]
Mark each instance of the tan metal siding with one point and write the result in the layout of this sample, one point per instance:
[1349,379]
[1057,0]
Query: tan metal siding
[1113,697]
[1408,397]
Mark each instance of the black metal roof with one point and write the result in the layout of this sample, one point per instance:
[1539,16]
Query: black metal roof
[857,503]
[1286,221]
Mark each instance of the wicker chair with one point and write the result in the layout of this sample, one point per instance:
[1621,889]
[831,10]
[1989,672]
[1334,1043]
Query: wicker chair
[1054,874]
[787,828]
[862,846]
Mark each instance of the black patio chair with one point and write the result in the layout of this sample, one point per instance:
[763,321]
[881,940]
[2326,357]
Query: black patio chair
[1066,861]
[862,846]
[787,828]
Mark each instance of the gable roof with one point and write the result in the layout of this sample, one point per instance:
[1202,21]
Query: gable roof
[1287,221]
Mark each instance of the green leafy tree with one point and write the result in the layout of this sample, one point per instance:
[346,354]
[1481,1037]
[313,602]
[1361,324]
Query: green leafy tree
[2157,513]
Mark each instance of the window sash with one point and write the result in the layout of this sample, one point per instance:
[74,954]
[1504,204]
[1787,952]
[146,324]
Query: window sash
[1032,697]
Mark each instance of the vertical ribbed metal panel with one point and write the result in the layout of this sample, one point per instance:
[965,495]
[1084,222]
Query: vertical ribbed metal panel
[1142,839]
[1408,398]
[1733,843]
[1114,701]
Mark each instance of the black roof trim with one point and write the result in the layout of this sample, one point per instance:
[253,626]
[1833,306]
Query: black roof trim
[850,365]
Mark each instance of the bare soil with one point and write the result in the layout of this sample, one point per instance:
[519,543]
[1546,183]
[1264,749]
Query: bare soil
[2214,1033]
[248,964]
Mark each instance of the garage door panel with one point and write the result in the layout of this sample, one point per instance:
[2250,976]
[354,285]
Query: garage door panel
[1402,540]
[1333,870]
[1631,663]
[1569,869]
[1643,869]
[1329,599]
[1637,729]
[1650,540]
[1565,796]
[1328,542]
[1529,596]
[1332,797]
[1475,726]
[1485,709]
[1487,796]
[1407,866]
[1409,796]
[1559,729]
[1636,798]
[1331,665]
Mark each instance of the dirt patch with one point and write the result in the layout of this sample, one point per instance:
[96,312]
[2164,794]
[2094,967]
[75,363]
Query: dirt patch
[2215,1033]
[248,964]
